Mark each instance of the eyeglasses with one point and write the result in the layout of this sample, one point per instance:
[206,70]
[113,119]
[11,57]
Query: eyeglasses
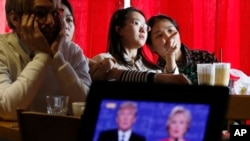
[140,24]
[42,14]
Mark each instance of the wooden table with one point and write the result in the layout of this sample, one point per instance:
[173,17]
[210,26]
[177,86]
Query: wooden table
[239,107]
[9,131]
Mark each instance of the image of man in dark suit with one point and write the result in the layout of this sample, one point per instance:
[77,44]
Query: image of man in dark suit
[126,117]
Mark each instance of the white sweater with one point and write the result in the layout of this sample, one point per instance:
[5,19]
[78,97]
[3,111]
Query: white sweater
[25,82]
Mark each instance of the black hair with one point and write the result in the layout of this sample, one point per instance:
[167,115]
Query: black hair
[115,48]
[68,5]
[19,7]
[154,19]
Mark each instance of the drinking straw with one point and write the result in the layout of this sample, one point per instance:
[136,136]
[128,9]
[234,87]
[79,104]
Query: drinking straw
[220,54]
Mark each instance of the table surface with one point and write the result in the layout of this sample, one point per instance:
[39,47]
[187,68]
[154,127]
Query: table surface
[9,131]
[238,107]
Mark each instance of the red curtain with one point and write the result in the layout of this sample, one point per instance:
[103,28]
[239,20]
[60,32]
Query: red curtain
[213,25]
[3,24]
[244,38]
[80,9]
[92,20]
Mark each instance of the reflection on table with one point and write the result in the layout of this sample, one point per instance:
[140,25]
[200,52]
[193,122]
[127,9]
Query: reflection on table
[9,131]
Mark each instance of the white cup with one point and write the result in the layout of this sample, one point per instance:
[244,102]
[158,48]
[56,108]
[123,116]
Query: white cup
[206,74]
[222,74]
[57,105]
[78,108]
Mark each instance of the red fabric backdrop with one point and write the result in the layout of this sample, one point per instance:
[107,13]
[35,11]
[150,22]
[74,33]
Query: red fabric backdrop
[212,25]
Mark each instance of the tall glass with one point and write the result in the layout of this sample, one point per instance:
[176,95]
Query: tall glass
[206,74]
[222,74]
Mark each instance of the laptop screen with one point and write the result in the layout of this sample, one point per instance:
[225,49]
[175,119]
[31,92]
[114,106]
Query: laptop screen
[118,111]
[155,121]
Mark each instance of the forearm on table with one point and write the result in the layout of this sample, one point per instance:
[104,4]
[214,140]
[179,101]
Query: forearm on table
[150,77]
[130,76]
[172,79]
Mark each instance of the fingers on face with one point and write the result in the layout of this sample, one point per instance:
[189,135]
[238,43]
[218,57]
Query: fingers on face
[27,25]
[28,22]
[171,36]
[170,40]
[173,43]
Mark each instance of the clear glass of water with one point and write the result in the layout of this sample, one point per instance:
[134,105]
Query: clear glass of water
[57,105]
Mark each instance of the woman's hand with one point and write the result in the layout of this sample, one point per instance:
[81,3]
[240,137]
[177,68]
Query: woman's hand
[172,45]
[57,43]
[101,70]
[171,50]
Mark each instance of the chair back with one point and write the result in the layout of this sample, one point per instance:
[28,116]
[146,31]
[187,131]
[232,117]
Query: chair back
[35,126]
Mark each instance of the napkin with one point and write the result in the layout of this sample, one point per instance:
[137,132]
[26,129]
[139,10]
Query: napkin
[242,85]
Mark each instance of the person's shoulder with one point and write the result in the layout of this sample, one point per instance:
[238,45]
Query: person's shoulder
[2,36]
[70,44]
[110,131]
[5,37]
[165,140]
[102,56]
[200,51]
[8,39]
[107,135]
[203,55]
[138,136]
[70,47]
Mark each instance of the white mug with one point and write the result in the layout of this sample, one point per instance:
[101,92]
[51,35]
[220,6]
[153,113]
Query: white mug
[78,108]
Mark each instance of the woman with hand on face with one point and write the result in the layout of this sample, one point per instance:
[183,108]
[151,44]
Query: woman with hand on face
[68,19]
[104,69]
[177,124]
[164,39]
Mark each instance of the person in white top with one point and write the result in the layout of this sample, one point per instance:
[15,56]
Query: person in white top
[36,60]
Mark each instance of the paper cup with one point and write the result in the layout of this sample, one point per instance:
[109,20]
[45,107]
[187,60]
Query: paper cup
[222,74]
[206,74]
[78,108]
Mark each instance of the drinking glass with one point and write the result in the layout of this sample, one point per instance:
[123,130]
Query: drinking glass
[206,74]
[222,74]
[57,105]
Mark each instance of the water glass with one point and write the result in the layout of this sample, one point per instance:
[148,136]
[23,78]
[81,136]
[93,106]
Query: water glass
[57,105]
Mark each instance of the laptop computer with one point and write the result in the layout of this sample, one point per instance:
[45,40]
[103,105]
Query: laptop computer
[154,120]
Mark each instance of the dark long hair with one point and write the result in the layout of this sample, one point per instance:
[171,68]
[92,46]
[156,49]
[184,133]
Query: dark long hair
[154,19]
[115,48]
[69,6]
